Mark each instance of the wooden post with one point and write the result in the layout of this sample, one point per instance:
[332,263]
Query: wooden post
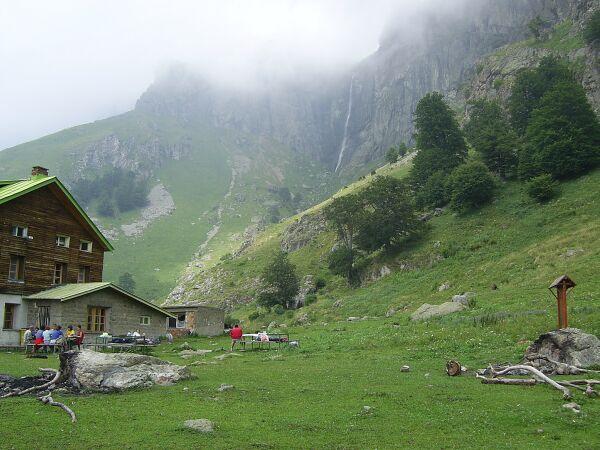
[561,294]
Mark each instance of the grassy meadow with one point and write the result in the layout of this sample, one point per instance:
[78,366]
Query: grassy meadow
[313,397]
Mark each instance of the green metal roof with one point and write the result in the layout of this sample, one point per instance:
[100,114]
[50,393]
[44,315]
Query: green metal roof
[67,292]
[22,187]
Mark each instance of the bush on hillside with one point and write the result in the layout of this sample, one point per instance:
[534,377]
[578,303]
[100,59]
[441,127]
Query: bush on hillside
[490,134]
[320,283]
[472,185]
[435,192]
[563,138]
[388,214]
[530,86]
[439,140]
[392,155]
[542,188]
[341,262]
[591,32]
[280,283]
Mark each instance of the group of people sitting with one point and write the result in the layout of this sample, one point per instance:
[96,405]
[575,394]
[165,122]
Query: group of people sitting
[54,336]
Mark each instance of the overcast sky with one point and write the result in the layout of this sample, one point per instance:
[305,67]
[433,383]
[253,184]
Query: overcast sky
[65,63]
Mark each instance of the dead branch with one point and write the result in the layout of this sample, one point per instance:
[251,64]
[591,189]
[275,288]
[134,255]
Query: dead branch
[517,381]
[539,375]
[53,381]
[47,400]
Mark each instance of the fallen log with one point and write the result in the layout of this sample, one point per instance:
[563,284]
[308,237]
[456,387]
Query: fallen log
[53,381]
[47,400]
[539,375]
[515,381]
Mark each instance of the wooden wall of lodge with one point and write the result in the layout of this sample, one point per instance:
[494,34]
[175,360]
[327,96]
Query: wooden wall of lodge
[46,217]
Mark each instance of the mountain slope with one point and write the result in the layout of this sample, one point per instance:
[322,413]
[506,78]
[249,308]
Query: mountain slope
[201,170]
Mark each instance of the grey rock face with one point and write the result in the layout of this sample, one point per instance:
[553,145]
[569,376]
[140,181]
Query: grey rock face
[569,346]
[96,371]
[302,232]
[427,311]
[200,425]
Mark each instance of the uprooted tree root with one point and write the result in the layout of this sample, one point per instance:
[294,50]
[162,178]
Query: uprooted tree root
[46,388]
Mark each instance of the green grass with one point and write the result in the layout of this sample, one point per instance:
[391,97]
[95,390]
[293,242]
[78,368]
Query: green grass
[313,397]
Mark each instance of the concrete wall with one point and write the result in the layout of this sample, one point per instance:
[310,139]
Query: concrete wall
[203,320]
[122,315]
[12,336]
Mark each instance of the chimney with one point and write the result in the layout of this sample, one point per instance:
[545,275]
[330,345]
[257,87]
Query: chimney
[39,171]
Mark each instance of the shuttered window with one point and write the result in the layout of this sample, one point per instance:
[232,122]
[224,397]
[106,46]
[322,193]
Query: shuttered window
[16,270]
[60,273]
[9,316]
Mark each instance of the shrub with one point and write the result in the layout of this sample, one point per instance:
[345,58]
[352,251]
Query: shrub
[254,315]
[310,299]
[563,136]
[374,172]
[320,283]
[392,155]
[542,188]
[472,185]
[278,309]
[434,192]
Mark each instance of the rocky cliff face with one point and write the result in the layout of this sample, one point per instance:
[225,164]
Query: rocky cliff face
[352,119]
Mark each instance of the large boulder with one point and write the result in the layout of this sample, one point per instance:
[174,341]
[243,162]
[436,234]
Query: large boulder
[567,346]
[89,370]
[427,311]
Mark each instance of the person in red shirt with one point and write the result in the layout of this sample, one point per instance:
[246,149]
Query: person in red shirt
[236,335]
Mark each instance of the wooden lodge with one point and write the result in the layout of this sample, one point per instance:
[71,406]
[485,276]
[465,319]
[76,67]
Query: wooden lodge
[51,263]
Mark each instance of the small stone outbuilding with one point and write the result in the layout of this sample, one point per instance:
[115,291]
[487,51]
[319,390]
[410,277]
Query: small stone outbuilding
[98,307]
[195,318]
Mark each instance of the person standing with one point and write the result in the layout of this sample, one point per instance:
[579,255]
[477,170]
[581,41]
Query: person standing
[236,334]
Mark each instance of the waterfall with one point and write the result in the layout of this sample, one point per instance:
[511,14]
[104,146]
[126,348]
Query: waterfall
[345,139]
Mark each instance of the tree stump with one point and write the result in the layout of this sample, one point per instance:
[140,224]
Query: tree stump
[453,368]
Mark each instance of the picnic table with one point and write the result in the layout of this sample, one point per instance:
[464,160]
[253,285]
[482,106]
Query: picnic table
[123,343]
[274,338]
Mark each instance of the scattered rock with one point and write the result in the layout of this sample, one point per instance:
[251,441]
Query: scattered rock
[186,354]
[272,325]
[307,285]
[573,407]
[438,211]
[463,299]
[353,319]
[97,371]
[569,346]
[405,369]
[302,232]
[185,346]
[444,287]
[337,304]
[427,311]
[303,319]
[493,287]
[225,387]
[200,425]
[226,355]
[572,252]
[390,312]
[366,410]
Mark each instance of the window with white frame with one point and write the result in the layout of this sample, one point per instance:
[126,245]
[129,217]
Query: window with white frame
[144,320]
[63,241]
[19,231]
[85,246]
